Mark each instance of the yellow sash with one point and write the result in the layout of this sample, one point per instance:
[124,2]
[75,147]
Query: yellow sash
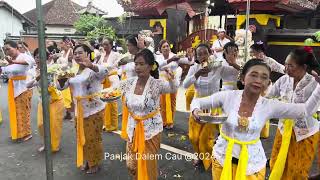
[139,142]
[107,84]
[229,84]
[169,111]
[233,84]
[12,106]
[80,129]
[243,158]
[280,163]
[0,116]
[54,94]
[125,113]
[124,76]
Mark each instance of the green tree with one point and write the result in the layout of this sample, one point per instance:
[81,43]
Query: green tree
[93,27]
[106,31]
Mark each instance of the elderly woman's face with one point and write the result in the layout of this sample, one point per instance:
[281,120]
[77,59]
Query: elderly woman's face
[202,54]
[257,79]
[292,68]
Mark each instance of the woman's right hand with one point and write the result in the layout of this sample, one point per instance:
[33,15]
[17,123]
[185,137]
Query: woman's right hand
[316,76]
[9,59]
[195,114]
[202,72]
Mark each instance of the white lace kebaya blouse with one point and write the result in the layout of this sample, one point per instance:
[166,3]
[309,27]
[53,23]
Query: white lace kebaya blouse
[19,70]
[146,103]
[87,83]
[264,109]
[274,65]
[206,86]
[283,88]
[112,60]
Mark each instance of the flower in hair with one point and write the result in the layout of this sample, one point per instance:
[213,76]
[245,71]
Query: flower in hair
[154,67]
[308,49]
[308,42]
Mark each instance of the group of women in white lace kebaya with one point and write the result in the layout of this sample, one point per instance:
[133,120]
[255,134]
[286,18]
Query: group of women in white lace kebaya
[149,81]
[238,152]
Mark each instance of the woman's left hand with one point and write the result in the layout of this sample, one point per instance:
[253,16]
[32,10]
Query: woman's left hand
[86,62]
[169,74]
[140,42]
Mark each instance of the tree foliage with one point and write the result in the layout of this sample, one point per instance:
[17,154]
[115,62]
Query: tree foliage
[93,27]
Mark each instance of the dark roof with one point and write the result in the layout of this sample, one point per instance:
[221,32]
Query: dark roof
[57,12]
[16,13]
[91,9]
[141,5]
[157,7]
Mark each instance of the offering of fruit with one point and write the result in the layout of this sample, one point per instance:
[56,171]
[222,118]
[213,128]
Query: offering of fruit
[110,94]
[67,72]
[181,54]
[54,68]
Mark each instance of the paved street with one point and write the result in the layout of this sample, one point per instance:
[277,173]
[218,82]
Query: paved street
[22,161]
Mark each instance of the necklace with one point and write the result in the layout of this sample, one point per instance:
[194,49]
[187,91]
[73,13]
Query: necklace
[243,123]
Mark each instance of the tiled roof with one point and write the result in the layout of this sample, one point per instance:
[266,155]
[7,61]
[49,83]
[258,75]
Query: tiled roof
[156,7]
[57,12]
[91,9]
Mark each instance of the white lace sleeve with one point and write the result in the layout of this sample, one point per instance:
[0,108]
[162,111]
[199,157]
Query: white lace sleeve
[103,71]
[185,60]
[190,78]
[275,89]
[213,101]
[171,65]
[31,79]
[115,82]
[295,110]
[275,66]
[124,86]
[229,72]
[161,61]
[168,86]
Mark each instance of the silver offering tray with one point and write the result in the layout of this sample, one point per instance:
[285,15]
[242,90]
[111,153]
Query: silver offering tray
[111,99]
[207,118]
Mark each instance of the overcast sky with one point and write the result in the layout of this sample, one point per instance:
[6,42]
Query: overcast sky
[110,6]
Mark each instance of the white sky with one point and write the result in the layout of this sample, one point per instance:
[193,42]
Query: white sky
[110,6]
